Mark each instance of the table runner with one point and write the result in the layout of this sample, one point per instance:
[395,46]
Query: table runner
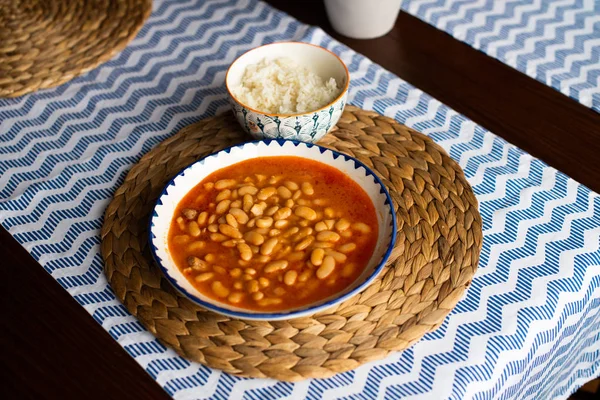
[556,42]
[528,326]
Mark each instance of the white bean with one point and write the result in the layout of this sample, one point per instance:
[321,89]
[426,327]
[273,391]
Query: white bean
[264,222]
[219,289]
[240,215]
[339,257]
[282,223]
[273,180]
[235,297]
[268,246]
[258,296]
[247,202]
[247,190]
[219,270]
[305,275]
[290,277]
[204,276]
[291,231]
[320,226]
[181,239]
[274,232]
[224,184]
[252,286]
[275,266]
[307,189]
[291,185]
[224,195]
[323,245]
[347,248]
[271,210]
[307,241]
[254,238]
[230,231]
[284,192]
[282,213]
[328,236]
[269,301]
[306,213]
[245,251]
[316,257]
[265,193]
[326,267]
[202,218]
[194,229]
[361,227]
[260,177]
[342,225]
[222,206]
[218,237]
[197,245]
[329,213]
[213,228]
[230,219]
[257,210]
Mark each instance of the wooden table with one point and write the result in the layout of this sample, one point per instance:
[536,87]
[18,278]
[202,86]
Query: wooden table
[52,348]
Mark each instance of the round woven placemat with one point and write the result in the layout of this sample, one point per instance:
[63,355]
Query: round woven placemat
[44,43]
[434,259]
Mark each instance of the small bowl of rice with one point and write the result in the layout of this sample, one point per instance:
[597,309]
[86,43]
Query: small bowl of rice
[288,90]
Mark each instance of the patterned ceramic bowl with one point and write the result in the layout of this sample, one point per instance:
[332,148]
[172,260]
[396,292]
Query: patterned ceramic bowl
[307,127]
[179,186]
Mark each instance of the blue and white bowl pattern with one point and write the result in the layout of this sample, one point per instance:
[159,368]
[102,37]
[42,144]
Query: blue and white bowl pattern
[189,177]
[306,127]
[310,127]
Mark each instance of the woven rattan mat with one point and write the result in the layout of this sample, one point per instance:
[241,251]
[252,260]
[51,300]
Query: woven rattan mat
[44,43]
[435,257]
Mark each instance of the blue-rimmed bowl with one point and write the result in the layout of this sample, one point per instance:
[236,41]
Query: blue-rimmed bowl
[179,186]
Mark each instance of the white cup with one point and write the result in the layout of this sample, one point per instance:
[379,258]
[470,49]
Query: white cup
[362,19]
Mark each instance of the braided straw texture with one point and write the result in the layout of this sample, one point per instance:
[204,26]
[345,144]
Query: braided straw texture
[434,260]
[44,43]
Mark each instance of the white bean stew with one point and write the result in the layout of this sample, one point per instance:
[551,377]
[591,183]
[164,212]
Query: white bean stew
[273,233]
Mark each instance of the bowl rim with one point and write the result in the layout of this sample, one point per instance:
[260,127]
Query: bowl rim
[275,315]
[339,97]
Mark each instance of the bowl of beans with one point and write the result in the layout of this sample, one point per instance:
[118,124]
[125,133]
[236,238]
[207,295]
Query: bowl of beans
[272,229]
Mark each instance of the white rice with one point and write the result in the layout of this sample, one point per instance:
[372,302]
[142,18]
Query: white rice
[281,86]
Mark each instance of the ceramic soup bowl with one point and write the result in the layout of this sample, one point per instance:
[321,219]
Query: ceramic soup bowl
[188,178]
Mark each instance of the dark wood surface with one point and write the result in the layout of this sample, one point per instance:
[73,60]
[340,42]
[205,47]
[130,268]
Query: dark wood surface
[51,346]
[525,112]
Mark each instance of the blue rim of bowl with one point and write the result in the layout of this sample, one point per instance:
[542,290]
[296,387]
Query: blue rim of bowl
[276,315]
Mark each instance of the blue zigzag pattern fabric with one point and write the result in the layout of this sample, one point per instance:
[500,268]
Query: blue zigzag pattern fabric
[528,327]
[556,42]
